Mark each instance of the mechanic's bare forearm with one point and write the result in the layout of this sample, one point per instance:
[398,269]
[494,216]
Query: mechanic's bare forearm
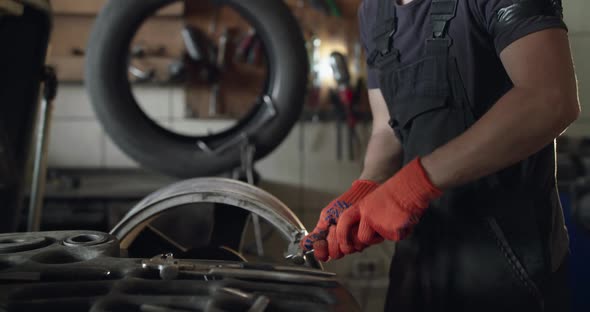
[383,157]
[539,108]
[520,124]
[384,152]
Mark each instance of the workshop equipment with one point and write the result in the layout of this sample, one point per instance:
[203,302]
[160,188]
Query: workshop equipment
[220,62]
[86,271]
[249,49]
[40,146]
[328,7]
[155,147]
[345,102]
[24,30]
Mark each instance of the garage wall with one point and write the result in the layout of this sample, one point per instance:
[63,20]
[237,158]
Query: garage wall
[576,16]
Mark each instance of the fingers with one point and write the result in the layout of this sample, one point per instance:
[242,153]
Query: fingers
[333,248]
[344,227]
[358,246]
[308,241]
[320,250]
[348,249]
[366,234]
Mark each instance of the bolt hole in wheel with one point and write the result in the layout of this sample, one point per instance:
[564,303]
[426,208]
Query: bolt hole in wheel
[86,240]
[83,238]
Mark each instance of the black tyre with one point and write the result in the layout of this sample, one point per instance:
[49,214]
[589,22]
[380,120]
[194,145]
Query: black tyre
[184,156]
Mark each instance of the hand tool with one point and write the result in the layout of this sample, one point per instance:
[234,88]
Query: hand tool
[170,268]
[245,45]
[42,129]
[320,5]
[334,9]
[192,43]
[141,74]
[221,53]
[255,52]
[313,96]
[346,99]
[339,116]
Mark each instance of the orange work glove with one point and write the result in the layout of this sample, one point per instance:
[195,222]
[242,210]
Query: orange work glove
[392,210]
[316,240]
[335,250]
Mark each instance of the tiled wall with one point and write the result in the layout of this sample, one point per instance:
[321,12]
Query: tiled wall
[305,160]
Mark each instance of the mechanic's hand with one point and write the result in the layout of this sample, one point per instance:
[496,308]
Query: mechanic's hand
[317,239]
[334,248]
[391,211]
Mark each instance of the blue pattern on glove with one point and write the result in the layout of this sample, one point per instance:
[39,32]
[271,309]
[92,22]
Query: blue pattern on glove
[334,212]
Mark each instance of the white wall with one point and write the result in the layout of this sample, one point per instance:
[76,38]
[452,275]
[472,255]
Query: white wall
[306,159]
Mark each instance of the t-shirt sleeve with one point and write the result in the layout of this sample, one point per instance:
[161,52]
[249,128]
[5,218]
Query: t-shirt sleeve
[509,20]
[364,27]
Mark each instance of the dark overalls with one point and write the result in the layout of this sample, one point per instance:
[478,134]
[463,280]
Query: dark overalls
[491,245]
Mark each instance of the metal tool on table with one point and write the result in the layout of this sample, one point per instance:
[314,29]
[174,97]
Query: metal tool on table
[40,146]
[170,268]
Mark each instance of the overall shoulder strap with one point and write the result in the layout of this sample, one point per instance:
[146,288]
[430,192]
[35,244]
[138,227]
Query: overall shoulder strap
[441,14]
[383,31]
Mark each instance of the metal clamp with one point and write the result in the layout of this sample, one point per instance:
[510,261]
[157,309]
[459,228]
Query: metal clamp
[268,112]
[297,255]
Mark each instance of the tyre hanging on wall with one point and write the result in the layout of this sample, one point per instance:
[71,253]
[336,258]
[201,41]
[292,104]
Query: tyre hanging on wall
[180,155]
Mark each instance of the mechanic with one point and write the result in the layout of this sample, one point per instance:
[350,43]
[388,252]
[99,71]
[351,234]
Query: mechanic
[476,92]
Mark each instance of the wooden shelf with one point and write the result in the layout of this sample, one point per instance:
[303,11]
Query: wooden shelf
[92,7]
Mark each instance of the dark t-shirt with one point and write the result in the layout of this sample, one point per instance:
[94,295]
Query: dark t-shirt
[477,42]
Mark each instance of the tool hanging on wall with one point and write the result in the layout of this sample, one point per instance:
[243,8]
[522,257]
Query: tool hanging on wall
[313,96]
[141,69]
[340,116]
[345,102]
[328,7]
[214,102]
[249,49]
